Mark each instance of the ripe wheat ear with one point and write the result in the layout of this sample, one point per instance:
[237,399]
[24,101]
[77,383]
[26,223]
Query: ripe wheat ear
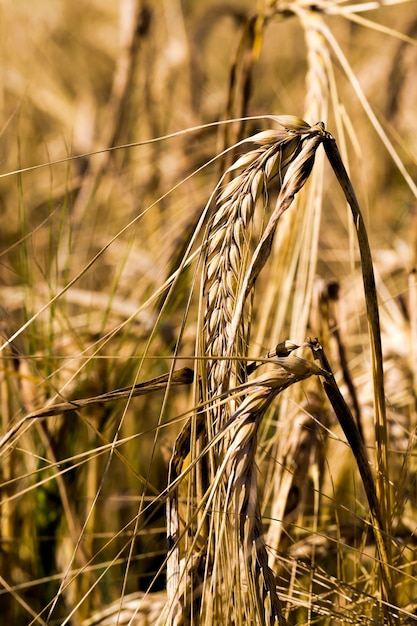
[211,542]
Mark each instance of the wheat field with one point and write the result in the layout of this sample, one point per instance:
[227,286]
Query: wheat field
[208,368]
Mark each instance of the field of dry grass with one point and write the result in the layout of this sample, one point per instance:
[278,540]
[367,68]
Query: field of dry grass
[208,369]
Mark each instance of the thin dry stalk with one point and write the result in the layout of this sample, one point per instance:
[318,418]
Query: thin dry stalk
[181,377]
[241,79]
[134,24]
[381,424]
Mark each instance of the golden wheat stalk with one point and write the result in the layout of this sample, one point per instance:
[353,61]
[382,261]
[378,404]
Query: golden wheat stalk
[229,275]
[296,257]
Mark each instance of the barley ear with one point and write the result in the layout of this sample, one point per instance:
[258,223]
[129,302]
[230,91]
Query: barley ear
[295,178]
[239,473]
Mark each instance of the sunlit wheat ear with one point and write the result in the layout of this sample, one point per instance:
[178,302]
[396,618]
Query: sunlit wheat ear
[238,568]
[241,524]
[228,275]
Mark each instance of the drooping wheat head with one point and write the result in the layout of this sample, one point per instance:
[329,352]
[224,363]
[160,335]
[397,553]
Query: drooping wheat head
[229,272]
[230,268]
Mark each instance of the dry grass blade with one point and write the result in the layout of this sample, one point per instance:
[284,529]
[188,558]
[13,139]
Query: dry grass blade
[357,445]
[180,377]
[381,424]
[370,113]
